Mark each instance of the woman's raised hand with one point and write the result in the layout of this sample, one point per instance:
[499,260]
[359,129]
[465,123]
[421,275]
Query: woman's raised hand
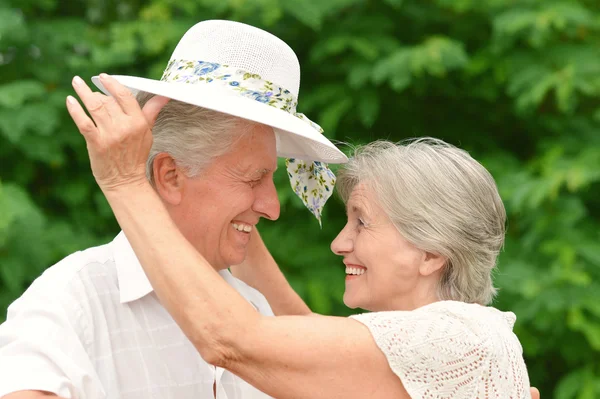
[118,134]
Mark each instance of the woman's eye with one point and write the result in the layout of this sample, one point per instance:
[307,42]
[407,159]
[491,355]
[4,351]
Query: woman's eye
[361,222]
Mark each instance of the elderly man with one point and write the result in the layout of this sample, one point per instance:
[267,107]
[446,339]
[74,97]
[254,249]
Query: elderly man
[91,326]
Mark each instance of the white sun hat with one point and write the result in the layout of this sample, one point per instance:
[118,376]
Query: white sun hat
[242,71]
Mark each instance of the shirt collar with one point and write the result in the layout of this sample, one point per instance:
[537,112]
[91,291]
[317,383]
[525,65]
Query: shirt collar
[133,283]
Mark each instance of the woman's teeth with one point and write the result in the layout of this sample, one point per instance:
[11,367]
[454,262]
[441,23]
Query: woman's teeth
[242,227]
[355,270]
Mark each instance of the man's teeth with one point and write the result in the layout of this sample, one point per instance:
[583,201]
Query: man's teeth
[242,227]
[355,270]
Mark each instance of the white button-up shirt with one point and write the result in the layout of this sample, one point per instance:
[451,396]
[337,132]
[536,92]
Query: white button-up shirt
[92,327]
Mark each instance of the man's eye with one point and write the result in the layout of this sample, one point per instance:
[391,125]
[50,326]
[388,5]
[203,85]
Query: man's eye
[361,222]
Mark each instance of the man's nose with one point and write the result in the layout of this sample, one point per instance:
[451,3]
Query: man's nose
[266,202]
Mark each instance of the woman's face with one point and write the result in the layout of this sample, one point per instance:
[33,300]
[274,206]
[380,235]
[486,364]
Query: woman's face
[383,270]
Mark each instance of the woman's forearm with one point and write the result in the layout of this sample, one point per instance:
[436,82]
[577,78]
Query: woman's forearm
[209,311]
[260,271]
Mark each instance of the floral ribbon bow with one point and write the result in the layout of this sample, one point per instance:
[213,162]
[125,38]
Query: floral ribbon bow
[312,181]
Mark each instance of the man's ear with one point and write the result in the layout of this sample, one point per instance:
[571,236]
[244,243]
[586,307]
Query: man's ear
[168,178]
[432,263]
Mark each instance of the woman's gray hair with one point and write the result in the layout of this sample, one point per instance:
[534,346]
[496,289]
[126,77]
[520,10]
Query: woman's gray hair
[191,135]
[442,201]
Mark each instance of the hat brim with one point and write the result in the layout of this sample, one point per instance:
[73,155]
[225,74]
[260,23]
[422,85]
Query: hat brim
[295,138]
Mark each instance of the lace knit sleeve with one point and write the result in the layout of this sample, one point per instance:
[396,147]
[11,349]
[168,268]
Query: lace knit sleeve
[451,351]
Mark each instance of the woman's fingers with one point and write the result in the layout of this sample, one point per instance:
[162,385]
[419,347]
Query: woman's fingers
[121,94]
[108,111]
[114,109]
[128,102]
[93,102]
[85,125]
[118,143]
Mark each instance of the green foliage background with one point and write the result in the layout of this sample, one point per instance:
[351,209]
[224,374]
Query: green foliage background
[517,83]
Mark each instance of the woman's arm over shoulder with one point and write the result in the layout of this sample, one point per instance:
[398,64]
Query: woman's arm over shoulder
[314,357]
[374,355]
[286,356]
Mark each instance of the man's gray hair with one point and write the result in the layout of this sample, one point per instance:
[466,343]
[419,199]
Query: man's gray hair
[442,201]
[191,135]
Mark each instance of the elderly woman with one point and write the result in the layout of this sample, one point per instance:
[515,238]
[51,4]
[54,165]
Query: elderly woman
[425,225]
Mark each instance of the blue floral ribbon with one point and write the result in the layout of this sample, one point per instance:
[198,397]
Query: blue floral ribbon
[313,182]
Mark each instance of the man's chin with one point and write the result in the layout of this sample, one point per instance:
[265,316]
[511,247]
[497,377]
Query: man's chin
[234,259]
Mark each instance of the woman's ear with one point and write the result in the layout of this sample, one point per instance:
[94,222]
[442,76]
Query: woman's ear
[432,263]
[168,178]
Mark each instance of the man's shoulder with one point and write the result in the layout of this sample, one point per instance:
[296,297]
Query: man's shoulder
[68,286]
[81,266]
[81,263]
[252,295]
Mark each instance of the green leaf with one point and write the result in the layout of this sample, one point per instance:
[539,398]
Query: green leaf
[591,252]
[18,212]
[436,56]
[15,94]
[307,12]
[39,118]
[395,3]
[395,69]
[571,384]
[333,113]
[539,25]
[368,108]
[590,328]
[360,75]
[12,26]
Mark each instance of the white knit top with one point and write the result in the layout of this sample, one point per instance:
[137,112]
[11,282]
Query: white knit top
[452,349]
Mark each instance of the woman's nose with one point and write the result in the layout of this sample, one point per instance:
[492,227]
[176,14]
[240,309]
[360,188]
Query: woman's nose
[342,244]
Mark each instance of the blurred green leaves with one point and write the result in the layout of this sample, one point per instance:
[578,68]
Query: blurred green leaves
[515,83]
[436,56]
